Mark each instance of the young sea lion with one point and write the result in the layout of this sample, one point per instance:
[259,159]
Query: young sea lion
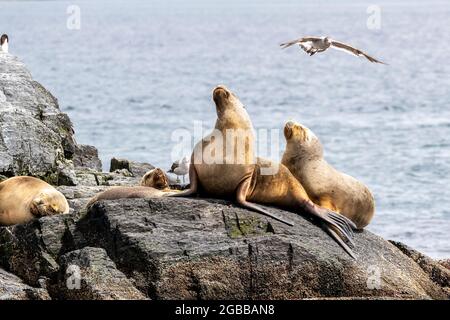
[326,186]
[155,178]
[153,184]
[25,198]
[223,165]
[126,192]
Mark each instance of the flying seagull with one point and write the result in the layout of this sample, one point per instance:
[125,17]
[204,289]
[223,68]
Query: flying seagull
[312,45]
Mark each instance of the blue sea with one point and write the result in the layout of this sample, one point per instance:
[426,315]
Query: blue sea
[137,71]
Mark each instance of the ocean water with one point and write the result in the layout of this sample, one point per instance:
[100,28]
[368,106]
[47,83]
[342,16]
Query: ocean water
[138,71]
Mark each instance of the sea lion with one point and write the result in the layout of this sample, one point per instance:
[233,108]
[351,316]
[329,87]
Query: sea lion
[153,184]
[326,186]
[25,198]
[155,178]
[223,165]
[126,193]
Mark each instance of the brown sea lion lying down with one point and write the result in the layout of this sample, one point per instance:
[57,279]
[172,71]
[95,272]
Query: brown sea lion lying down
[25,198]
[325,185]
[153,184]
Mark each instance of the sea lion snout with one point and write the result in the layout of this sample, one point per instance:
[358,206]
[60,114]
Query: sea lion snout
[220,93]
[298,131]
[288,129]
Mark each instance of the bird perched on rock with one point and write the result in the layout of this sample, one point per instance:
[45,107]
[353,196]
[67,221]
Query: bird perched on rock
[4,40]
[180,168]
[313,45]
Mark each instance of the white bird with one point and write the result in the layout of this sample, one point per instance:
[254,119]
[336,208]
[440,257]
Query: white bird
[180,168]
[312,45]
[4,43]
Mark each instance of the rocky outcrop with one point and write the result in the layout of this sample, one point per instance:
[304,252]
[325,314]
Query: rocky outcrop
[36,138]
[90,274]
[175,248]
[13,288]
[437,271]
[170,248]
[137,169]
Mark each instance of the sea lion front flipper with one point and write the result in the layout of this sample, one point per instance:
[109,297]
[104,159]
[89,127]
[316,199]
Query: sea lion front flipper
[241,199]
[193,181]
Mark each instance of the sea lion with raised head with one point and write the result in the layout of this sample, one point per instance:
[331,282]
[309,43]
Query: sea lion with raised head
[155,178]
[25,198]
[325,186]
[223,165]
[153,184]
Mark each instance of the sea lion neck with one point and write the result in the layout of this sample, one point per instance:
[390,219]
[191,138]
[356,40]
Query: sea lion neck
[233,119]
[300,153]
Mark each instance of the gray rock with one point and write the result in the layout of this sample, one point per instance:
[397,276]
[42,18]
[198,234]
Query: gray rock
[86,157]
[189,249]
[176,248]
[137,169]
[445,263]
[438,272]
[13,288]
[31,250]
[36,138]
[90,274]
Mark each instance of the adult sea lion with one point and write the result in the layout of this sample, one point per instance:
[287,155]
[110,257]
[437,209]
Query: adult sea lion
[223,165]
[25,198]
[326,186]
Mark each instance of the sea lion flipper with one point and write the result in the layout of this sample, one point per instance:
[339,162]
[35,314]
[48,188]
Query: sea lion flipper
[193,181]
[346,223]
[342,225]
[241,199]
[338,239]
[333,220]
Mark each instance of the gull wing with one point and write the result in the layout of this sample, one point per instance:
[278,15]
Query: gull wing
[304,41]
[354,51]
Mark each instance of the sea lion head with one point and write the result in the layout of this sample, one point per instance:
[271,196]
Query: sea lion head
[301,140]
[49,203]
[155,178]
[229,108]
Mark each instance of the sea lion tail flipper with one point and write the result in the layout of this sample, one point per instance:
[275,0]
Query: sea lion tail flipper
[258,209]
[241,199]
[338,239]
[193,181]
[341,225]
